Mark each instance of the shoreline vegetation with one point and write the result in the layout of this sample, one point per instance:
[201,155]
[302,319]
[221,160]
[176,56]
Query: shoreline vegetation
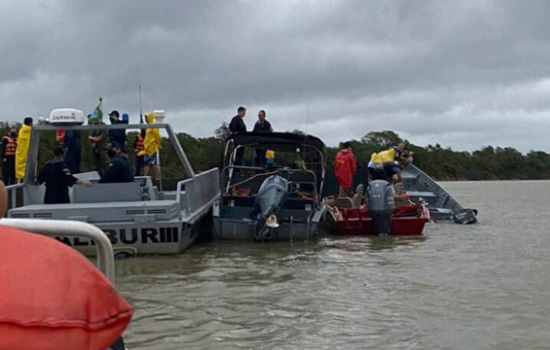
[442,164]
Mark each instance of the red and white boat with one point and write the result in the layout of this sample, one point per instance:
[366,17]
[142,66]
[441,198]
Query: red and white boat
[408,218]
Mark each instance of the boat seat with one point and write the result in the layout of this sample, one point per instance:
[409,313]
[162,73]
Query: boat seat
[343,202]
[136,211]
[239,201]
[111,192]
[298,203]
[421,194]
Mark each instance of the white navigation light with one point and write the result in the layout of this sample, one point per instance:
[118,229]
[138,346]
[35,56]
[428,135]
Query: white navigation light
[66,116]
[159,116]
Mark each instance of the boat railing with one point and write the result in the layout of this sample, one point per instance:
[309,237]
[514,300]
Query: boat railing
[199,192]
[58,228]
[15,196]
[228,172]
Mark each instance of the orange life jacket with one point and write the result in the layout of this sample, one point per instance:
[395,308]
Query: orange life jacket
[11,146]
[139,144]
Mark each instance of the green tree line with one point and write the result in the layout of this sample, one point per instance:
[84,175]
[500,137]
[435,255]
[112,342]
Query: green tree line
[488,163]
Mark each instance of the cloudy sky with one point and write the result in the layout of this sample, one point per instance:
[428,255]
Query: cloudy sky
[460,73]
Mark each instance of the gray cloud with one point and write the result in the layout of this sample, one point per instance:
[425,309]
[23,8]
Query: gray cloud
[459,73]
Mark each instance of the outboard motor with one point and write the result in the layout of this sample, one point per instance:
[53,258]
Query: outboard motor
[381,205]
[270,199]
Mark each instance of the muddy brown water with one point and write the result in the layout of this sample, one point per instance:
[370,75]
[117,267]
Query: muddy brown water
[484,286]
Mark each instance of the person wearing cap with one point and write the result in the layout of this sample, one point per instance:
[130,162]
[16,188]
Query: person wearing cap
[57,177]
[117,135]
[119,168]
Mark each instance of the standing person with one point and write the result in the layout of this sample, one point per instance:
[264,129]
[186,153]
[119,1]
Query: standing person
[261,126]
[119,169]
[72,142]
[58,178]
[23,142]
[344,168]
[97,140]
[151,144]
[9,147]
[117,135]
[237,125]
[139,147]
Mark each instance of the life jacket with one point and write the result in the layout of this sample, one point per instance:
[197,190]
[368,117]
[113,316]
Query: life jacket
[67,304]
[139,144]
[383,157]
[22,151]
[11,146]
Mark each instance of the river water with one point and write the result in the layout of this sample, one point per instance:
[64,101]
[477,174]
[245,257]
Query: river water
[484,286]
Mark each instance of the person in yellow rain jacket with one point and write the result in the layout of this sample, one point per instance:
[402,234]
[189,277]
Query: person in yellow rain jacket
[381,162]
[151,146]
[23,141]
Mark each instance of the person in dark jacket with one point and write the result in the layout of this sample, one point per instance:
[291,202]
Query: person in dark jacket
[117,135]
[237,125]
[58,178]
[262,125]
[73,150]
[7,153]
[119,169]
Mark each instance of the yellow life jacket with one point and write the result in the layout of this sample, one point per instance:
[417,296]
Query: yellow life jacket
[23,141]
[383,157]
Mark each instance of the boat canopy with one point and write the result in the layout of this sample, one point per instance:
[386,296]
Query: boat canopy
[277,141]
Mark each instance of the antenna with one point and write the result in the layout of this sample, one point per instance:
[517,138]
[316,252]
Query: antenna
[140,108]
[306,130]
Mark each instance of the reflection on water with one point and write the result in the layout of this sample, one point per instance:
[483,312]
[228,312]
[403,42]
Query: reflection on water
[459,287]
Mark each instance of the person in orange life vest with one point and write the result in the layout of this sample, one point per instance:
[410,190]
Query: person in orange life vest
[7,152]
[344,168]
[139,146]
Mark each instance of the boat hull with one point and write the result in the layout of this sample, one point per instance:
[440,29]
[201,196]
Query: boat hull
[235,223]
[131,239]
[357,221]
[442,205]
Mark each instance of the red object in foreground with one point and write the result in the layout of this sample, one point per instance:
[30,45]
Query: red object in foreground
[52,297]
[407,221]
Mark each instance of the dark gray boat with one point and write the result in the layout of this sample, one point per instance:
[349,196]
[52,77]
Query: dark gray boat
[442,206]
[138,217]
[271,202]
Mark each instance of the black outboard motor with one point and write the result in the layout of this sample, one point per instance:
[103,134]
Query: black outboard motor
[381,205]
[270,199]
